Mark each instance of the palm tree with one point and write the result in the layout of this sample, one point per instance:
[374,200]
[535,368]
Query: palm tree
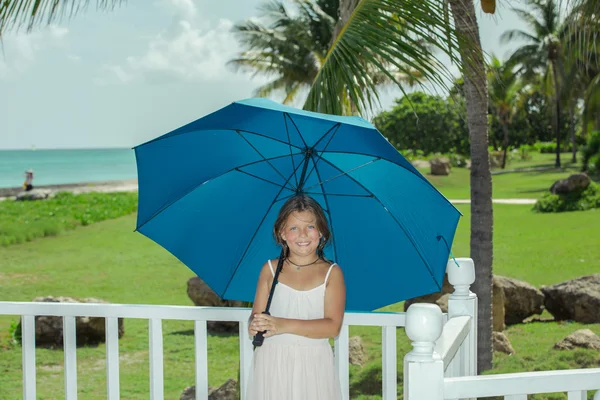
[503,90]
[291,46]
[543,52]
[344,73]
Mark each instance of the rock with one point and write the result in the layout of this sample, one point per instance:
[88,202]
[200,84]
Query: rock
[433,297]
[583,338]
[574,183]
[228,391]
[498,300]
[521,300]
[577,299]
[89,330]
[202,295]
[356,351]
[441,299]
[501,343]
[34,194]
[440,166]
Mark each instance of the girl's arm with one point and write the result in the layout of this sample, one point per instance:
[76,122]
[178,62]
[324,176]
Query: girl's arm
[327,327]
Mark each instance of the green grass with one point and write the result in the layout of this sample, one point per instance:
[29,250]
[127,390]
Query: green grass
[509,185]
[22,221]
[108,260]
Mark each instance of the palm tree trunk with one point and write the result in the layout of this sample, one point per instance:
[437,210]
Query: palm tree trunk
[475,88]
[556,113]
[345,10]
[572,127]
[505,144]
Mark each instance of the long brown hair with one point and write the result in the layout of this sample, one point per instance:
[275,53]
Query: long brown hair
[301,203]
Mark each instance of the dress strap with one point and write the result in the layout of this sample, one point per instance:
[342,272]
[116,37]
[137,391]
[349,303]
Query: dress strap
[328,272]
[271,268]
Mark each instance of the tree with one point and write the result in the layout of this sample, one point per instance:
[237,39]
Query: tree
[290,47]
[543,52]
[503,91]
[426,123]
[428,28]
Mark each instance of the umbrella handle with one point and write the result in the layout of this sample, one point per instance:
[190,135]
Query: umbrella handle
[259,338]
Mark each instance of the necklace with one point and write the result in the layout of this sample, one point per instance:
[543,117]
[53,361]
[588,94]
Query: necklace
[298,266]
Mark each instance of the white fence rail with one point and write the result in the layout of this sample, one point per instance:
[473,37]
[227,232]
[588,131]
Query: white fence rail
[200,315]
[441,365]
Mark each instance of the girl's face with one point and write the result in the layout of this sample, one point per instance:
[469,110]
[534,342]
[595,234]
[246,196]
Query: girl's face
[301,234]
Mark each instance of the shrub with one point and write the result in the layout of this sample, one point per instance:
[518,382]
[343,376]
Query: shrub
[586,200]
[550,147]
[591,154]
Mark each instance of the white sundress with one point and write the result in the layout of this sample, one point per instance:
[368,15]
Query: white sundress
[292,367]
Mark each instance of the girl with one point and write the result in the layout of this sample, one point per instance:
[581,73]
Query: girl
[296,361]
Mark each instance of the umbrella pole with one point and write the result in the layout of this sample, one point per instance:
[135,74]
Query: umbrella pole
[259,338]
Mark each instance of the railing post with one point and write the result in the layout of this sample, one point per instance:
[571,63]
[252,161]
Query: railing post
[423,368]
[463,302]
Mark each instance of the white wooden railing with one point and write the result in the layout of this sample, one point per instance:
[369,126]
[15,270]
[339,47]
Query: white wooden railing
[442,364]
[200,315]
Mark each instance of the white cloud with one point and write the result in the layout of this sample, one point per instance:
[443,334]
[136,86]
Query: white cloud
[21,48]
[74,58]
[187,52]
[187,8]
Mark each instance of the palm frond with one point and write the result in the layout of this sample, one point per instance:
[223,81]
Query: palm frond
[413,30]
[512,34]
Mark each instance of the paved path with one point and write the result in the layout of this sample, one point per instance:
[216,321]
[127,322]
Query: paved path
[498,201]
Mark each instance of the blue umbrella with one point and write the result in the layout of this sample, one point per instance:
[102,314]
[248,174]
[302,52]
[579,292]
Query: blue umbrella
[210,191]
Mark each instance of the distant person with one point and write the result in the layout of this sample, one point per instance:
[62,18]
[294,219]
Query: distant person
[28,184]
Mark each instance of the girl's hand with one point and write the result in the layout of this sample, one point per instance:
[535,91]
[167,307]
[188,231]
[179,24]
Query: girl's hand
[264,322]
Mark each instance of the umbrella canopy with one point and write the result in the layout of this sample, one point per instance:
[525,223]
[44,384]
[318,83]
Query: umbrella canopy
[210,191]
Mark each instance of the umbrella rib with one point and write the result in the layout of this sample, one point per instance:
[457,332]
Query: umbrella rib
[263,179]
[343,173]
[298,130]
[335,256]
[287,131]
[194,187]
[254,235]
[336,127]
[268,137]
[260,154]
[406,232]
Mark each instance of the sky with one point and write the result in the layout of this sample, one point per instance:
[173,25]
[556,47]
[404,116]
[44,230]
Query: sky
[119,78]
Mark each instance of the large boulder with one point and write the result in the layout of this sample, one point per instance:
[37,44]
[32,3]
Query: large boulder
[202,295]
[521,300]
[577,299]
[574,183]
[583,338]
[440,166]
[441,299]
[89,330]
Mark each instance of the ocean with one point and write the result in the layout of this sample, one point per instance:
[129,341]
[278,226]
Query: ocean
[52,167]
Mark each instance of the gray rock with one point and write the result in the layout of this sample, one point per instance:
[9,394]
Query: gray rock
[34,194]
[574,183]
[583,338]
[228,391]
[440,166]
[202,295]
[501,343]
[88,330]
[521,300]
[356,351]
[577,299]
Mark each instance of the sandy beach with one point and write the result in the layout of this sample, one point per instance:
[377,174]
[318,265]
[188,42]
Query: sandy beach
[84,187]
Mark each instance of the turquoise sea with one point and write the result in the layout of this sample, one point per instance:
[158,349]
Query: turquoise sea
[52,167]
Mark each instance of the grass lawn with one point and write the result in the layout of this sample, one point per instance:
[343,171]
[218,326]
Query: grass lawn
[109,261]
[508,185]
